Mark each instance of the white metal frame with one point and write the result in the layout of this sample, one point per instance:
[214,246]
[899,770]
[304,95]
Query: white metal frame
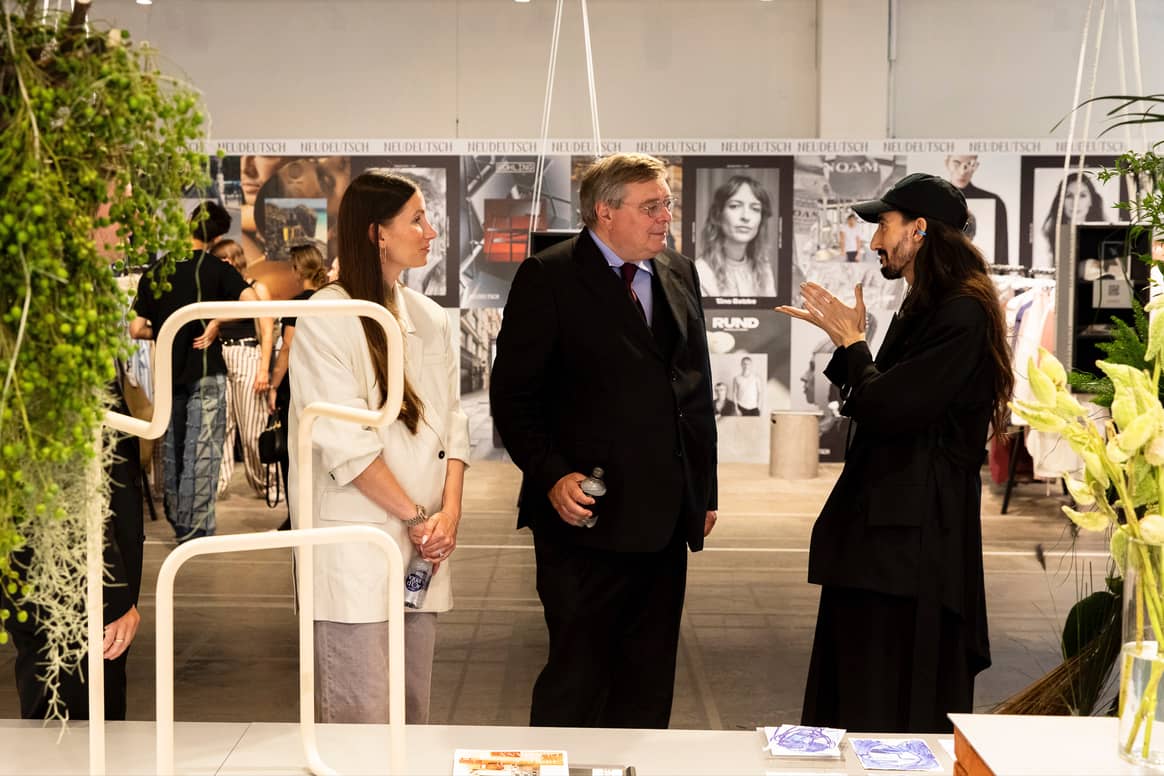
[304,538]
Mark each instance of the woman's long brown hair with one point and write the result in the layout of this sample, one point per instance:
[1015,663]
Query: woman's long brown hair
[372,199]
[947,265]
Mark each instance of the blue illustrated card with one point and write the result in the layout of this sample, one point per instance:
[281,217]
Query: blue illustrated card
[895,754]
[804,741]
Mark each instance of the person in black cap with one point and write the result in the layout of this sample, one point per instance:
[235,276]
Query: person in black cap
[897,549]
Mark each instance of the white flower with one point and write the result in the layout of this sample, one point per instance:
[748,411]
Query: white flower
[1088,521]
[1079,491]
[1152,529]
[1052,368]
[1042,385]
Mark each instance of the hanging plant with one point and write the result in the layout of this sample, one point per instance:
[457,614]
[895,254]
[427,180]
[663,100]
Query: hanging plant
[93,138]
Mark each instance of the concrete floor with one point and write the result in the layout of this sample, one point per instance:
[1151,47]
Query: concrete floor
[747,629]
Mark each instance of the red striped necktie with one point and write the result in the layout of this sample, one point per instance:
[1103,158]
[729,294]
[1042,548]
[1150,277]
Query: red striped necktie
[628,270]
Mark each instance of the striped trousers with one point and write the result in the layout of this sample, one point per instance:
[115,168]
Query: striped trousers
[245,411]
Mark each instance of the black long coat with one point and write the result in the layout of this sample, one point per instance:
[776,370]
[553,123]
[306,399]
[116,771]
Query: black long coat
[904,518]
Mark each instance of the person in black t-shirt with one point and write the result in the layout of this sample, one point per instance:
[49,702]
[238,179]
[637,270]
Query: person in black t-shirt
[194,438]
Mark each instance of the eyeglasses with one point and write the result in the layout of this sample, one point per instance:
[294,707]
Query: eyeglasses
[655,207]
[969,166]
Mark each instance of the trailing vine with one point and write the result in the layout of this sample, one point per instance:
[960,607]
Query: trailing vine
[94,138]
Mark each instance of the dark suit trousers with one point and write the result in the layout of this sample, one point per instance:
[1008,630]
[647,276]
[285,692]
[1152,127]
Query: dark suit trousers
[613,619]
[74,689]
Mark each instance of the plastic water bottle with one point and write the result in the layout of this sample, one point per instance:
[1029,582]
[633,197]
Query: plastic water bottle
[594,487]
[416,581]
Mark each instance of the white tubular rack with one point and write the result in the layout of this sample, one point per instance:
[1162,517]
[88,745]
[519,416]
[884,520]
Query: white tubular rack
[305,538]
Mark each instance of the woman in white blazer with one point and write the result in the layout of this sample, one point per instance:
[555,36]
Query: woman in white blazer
[405,479]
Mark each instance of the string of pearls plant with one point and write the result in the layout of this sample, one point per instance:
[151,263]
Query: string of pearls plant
[93,138]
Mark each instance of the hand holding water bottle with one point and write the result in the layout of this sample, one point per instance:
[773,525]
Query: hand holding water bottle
[570,500]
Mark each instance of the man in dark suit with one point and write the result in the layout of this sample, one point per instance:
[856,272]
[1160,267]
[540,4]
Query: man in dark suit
[124,536]
[897,549]
[602,361]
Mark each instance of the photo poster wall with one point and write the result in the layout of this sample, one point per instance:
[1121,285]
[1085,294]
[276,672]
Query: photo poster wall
[759,217]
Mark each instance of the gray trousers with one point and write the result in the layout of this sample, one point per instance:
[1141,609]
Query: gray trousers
[351,670]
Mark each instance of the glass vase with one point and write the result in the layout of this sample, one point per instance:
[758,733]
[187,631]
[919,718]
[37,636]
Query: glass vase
[1141,714]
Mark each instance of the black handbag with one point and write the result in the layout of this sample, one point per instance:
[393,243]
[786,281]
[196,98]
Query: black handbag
[273,441]
[272,450]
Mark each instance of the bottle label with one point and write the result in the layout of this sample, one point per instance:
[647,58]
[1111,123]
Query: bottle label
[416,581]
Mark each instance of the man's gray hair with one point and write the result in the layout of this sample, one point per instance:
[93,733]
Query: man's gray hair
[604,180]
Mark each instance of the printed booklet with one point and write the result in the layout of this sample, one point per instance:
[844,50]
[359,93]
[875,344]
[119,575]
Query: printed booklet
[509,762]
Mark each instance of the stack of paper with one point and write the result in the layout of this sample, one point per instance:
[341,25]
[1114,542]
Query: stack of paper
[804,742]
[509,762]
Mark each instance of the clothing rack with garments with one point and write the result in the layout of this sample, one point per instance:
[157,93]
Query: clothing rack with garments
[1028,298]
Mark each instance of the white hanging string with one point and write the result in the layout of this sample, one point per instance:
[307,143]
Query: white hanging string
[1129,179]
[540,165]
[1137,65]
[1071,128]
[590,81]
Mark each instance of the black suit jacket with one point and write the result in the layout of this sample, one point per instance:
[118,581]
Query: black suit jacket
[905,515]
[581,381]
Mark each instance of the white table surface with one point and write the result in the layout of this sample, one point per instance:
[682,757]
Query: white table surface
[270,749]
[29,748]
[1013,745]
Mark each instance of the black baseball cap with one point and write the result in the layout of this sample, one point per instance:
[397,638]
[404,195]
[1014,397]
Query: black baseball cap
[919,194]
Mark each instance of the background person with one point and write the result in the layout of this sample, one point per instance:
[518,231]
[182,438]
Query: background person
[405,479]
[901,630]
[308,264]
[733,252]
[602,360]
[194,438]
[851,239]
[124,538]
[246,348]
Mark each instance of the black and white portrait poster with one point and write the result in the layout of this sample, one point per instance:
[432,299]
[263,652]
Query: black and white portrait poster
[436,178]
[1051,197]
[990,184]
[749,375]
[735,222]
[496,216]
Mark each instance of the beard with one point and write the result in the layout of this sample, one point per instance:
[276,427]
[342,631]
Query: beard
[890,273]
[905,250]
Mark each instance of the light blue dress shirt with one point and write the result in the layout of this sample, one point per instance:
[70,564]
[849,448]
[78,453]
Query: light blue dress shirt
[642,280]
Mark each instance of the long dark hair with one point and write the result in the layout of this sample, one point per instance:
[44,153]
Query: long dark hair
[713,237]
[374,198]
[948,265]
[1094,209]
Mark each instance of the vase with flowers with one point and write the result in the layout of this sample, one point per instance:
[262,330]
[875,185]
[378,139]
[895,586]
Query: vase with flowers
[1121,491]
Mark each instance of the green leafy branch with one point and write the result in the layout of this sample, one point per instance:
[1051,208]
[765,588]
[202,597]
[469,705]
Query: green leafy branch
[97,146]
